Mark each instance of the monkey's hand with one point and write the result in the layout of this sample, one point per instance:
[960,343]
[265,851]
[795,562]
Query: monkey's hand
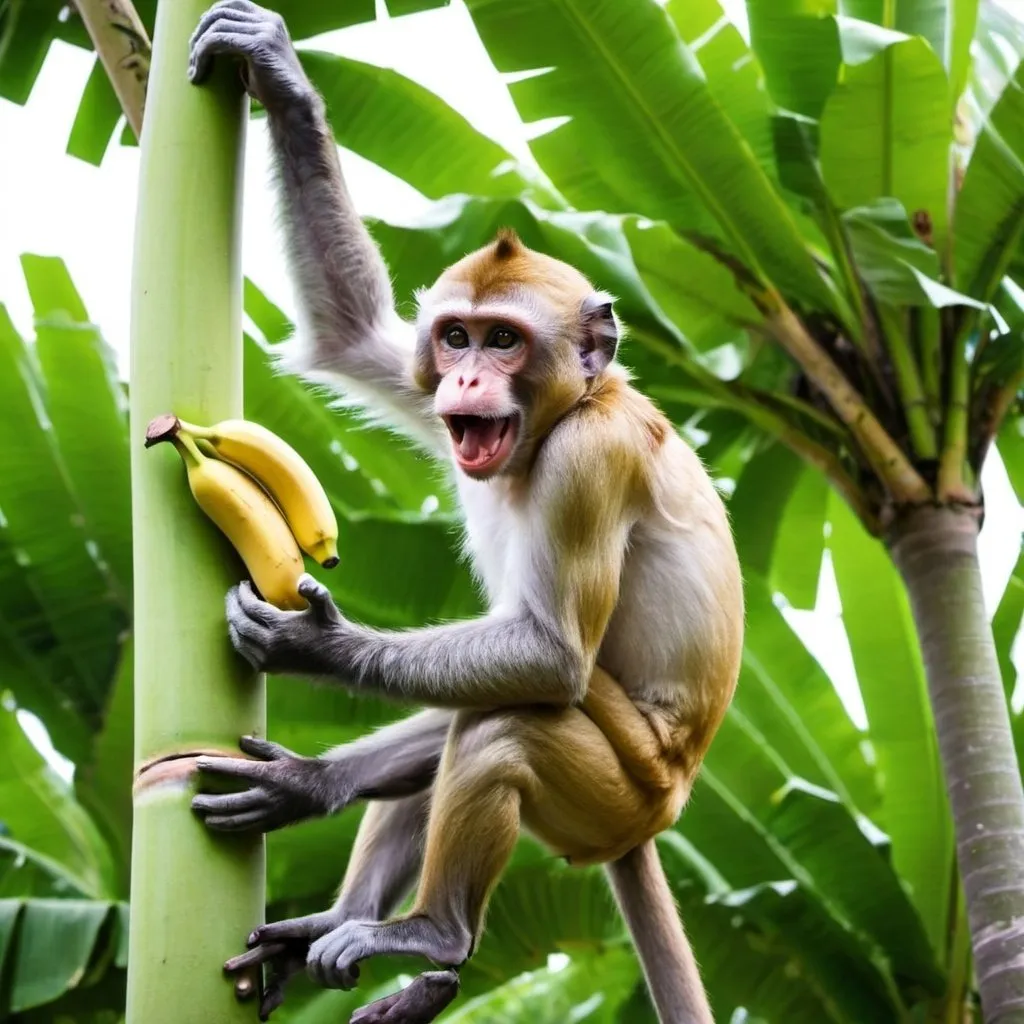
[239,28]
[283,789]
[283,946]
[293,643]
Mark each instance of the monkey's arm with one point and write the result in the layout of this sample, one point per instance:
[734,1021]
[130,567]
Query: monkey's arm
[542,651]
[347,326]
[285,788]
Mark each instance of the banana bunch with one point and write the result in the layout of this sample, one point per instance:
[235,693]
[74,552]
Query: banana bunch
[261,494]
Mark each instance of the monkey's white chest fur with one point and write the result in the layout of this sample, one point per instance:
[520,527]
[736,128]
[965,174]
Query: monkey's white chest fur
[498,542]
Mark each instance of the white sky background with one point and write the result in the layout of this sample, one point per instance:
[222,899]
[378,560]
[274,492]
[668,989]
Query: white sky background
[52,204]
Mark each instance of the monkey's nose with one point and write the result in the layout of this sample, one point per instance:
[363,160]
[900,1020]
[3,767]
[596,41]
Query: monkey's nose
[467,384]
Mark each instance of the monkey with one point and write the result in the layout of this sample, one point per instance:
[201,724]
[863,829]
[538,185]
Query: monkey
[579,707]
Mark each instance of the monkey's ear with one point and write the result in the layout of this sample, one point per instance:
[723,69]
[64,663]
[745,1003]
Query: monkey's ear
[599,336]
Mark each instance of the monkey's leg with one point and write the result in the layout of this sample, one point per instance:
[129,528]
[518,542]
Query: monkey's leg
[552,769]
[385,860]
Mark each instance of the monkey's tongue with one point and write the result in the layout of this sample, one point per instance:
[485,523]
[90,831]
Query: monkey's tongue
[481,437]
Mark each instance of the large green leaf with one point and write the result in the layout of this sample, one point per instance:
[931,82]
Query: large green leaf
[38,810]
[406,129]
[828,955]
[102,780]
[1006,625]
[46,527]
[27,28]
[554,996]
[890,258]
[885,651]
[778,659]
[99,112]
[88,411]
[947,25]
[778,517]
[733,71]
[989,216]
[814,840]
[47,948]
[1011,448]
[693,289]
[642,102]
[885,131]
[797,42]
[844,858]
[33,664]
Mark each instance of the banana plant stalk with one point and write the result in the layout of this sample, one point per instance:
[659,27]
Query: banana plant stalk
[194,896]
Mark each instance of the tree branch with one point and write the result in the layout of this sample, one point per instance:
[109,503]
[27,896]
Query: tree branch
[745,401]
[885,456]
[123,47]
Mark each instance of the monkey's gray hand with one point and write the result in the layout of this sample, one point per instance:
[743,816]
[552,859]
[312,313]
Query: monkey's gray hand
[283,788]
[292,643]
[239,28]
[283,946]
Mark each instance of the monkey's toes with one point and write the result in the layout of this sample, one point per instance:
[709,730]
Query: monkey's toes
[376,1012]
[347,973]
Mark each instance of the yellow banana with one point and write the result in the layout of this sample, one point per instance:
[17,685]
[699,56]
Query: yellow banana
[245,515]
[286,477]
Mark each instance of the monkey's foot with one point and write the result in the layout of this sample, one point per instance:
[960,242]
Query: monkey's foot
[333,960]
[419,1002]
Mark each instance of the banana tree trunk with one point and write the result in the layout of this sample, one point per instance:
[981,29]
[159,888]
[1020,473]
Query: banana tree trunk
[194,896]
[935,550]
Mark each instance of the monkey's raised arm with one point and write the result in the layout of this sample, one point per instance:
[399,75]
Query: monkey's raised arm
[347,325]
[541,650]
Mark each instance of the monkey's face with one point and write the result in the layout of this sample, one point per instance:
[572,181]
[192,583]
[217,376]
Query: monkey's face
[508,341]
[477,361]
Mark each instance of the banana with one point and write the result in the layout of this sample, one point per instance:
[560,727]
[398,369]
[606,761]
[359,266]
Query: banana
[286,477]
[244,513]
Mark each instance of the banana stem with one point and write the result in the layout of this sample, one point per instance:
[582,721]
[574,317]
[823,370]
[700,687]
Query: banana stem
[169,428]
[188,448]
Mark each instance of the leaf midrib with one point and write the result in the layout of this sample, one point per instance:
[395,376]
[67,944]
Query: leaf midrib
[675,158]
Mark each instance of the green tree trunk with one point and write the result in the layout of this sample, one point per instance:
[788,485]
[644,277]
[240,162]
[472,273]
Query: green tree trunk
[194,896]
[935,550]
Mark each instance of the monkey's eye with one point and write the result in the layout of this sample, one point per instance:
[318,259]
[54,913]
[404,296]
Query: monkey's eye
[456,337]
[502,337]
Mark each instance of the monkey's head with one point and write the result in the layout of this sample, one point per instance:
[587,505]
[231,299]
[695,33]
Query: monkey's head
[509,340]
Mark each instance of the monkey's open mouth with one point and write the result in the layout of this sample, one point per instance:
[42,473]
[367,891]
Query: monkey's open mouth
[482,443]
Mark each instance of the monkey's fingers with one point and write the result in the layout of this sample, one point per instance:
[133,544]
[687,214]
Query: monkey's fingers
[265,750]
[254,957]
[273,997]
[226,36]
[320,600]
[420,1002]
[257,610]
[308,927]
[229,803]
[220,804]
[236,767]
[241,10]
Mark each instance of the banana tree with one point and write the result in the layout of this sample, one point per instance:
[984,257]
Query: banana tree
[191,897]
[795,910]
[801,257]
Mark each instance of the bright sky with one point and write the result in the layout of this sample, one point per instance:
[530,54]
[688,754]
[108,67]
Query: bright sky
[52,204]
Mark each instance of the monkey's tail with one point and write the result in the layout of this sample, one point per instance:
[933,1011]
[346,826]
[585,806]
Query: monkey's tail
[646,902]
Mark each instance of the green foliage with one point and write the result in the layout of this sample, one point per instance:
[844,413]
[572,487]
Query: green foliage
[720,182]
[788,873]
